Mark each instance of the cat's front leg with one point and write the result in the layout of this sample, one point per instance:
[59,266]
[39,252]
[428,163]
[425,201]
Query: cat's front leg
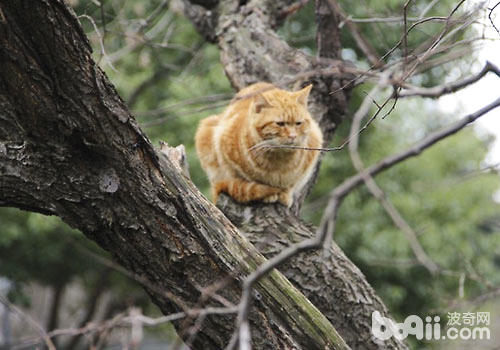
[246,191]
[271,199]
[286,198]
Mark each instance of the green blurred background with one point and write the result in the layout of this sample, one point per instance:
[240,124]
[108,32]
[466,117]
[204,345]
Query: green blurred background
[171,78]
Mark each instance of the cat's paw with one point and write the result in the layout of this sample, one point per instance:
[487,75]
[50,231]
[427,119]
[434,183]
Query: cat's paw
[271,199]
[286,199]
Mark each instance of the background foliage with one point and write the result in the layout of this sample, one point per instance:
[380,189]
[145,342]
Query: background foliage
[171,79]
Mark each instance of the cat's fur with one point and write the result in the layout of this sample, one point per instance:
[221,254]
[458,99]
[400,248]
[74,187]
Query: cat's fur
[229,145]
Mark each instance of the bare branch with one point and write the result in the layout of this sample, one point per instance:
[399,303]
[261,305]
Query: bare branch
[328,33]
[441,90]
[428,8]
[395,19]
[375,190]
[405,35]
[491,19]
[121,320]
[43,334]
[363,44]
[339,193]
[433,46]
[101,41]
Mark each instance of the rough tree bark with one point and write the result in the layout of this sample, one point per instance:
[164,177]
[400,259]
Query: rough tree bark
[69,147]
[252,51]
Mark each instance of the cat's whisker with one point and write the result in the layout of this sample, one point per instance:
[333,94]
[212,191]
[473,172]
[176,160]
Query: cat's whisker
[255,147]
[261,147]
[267,145]
[266,120]
[266,149]
[321,149]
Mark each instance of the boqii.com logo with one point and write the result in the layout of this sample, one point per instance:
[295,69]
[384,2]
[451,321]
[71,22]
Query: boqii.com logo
[465,326]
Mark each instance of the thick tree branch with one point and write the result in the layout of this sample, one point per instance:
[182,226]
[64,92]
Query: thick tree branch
[328,32]
[333,283]
[203,19]
[69,147]
[251,51]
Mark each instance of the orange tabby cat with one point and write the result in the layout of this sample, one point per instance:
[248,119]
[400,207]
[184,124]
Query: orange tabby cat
[231,145]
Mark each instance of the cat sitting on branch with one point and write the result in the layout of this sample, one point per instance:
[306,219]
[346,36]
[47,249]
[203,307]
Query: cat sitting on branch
[253,150]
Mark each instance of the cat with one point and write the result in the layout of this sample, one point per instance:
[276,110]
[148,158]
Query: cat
[232,149]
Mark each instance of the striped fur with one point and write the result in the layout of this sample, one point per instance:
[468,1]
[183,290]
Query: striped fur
[232,145]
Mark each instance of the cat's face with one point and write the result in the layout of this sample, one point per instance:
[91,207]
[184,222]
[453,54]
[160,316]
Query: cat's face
[281,117]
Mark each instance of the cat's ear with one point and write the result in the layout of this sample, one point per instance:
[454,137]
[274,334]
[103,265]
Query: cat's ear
[303,94]
[258,103]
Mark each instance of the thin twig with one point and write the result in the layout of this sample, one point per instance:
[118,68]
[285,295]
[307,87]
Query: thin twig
[207,293]
[428,8]
[101,41]
[370,72]
[43,334]
[363,44]
[491,19]
[122,320]
[395,19]
[337,195]
[405,36]
[328,220]
[377,192]
[441,90]
[433,45]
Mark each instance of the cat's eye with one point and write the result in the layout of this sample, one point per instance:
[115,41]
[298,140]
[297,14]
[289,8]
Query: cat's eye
[280,123]
[298,123]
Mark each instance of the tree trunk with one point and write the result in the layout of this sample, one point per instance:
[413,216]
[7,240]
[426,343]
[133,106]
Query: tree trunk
[69,147]
[334,284]
[251,51]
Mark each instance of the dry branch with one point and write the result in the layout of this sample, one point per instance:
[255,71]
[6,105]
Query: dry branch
[441,90]
[69,147]
[363,44]
[339,193]
[374,189]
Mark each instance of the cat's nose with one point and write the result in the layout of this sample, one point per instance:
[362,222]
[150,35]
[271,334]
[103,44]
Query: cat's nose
[292,136]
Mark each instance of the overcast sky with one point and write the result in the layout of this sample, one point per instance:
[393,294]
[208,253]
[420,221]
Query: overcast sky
[483,92]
